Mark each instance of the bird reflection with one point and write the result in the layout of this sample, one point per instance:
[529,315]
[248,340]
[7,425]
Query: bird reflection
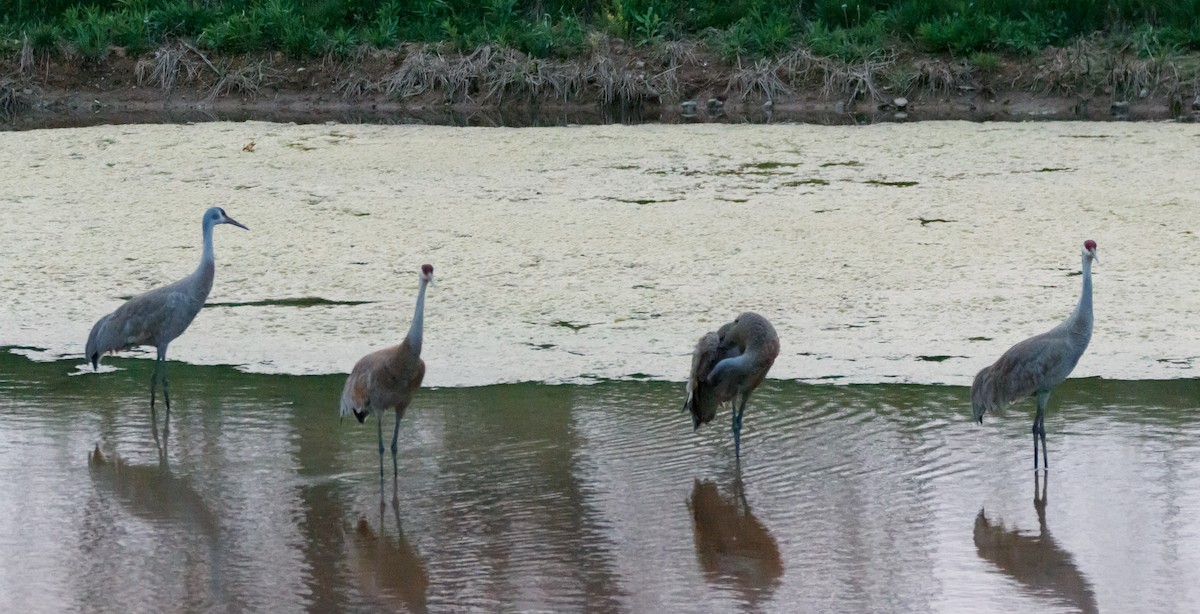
[389,568]
[153,492]
[1035,561]
[733,547]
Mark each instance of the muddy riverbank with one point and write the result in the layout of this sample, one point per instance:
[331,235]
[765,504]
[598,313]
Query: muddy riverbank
[677,82]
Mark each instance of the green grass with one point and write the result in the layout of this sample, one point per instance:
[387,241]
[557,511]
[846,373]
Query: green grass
[735,29]
[986,62]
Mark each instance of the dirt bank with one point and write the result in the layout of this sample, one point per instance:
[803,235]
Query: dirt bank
[675,82]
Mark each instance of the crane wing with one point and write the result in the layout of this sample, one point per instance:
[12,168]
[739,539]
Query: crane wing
[383,379]
[136,322]
[1027,367]
[703,399]
[356,394]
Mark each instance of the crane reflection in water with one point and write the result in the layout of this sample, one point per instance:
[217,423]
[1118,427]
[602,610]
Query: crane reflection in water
[176,513]
[1036,562]
[389,568]
[735,550]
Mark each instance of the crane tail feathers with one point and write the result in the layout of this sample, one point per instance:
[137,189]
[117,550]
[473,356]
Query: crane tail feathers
[702,399]
[703,404]
[355,398]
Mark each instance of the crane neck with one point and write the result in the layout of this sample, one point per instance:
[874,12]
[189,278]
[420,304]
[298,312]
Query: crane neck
[737,366]
[206,257]
[418,322]
[1081,319]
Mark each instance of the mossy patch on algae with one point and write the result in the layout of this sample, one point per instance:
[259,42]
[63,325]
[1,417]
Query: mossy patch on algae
[766,166]
[306,301]
[571,325]
[646,201]
[894,184]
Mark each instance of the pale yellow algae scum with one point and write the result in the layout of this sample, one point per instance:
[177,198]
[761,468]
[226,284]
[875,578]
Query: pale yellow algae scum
[886,253]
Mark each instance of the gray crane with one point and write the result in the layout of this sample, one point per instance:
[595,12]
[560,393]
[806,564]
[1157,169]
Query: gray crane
[389,377]
[1035,366]
[159,316]
[730,362]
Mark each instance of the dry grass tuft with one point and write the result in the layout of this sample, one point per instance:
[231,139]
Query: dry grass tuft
[939,76]
[837,78]
[513,73]
[11,100]
[760,80]
[421,70]
[25,58]
[248,80]
[1090,67]
[678,53]
[354,85]
[623,86]
[464,75]
[165,67]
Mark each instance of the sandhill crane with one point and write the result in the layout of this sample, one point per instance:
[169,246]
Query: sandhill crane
[389,377]
[730,362]
[159,316]
[1035,366]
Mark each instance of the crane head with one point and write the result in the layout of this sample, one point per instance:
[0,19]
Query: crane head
[216,215]
[427,273]
[1089,250]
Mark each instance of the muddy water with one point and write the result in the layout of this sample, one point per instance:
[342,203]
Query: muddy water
[599,498]
[888,253]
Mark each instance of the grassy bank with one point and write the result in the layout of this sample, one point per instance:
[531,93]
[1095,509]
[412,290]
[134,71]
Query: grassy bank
[747,29]
[617,51]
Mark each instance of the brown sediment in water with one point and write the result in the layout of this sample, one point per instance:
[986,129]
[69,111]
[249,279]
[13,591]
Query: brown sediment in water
[677,82]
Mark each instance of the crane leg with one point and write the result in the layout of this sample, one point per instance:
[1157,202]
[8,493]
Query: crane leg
[379,429]
[153,390]
[1039,430]
[1042,436]
[1035,444]
[166,399]
[733,426]
[737,424]
[395,435]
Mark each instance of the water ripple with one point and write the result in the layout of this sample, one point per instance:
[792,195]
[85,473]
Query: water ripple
[596,498]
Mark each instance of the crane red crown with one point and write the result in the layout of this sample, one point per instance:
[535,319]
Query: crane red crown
[428,268]
[1089,245]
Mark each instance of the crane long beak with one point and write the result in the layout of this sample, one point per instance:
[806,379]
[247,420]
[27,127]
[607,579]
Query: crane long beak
[229,220]
[1095,256]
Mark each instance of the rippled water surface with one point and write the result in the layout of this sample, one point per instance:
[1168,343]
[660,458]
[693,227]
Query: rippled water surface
[566,498]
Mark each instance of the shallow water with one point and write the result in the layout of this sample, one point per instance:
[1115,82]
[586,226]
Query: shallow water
[888,253]
[600,498]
